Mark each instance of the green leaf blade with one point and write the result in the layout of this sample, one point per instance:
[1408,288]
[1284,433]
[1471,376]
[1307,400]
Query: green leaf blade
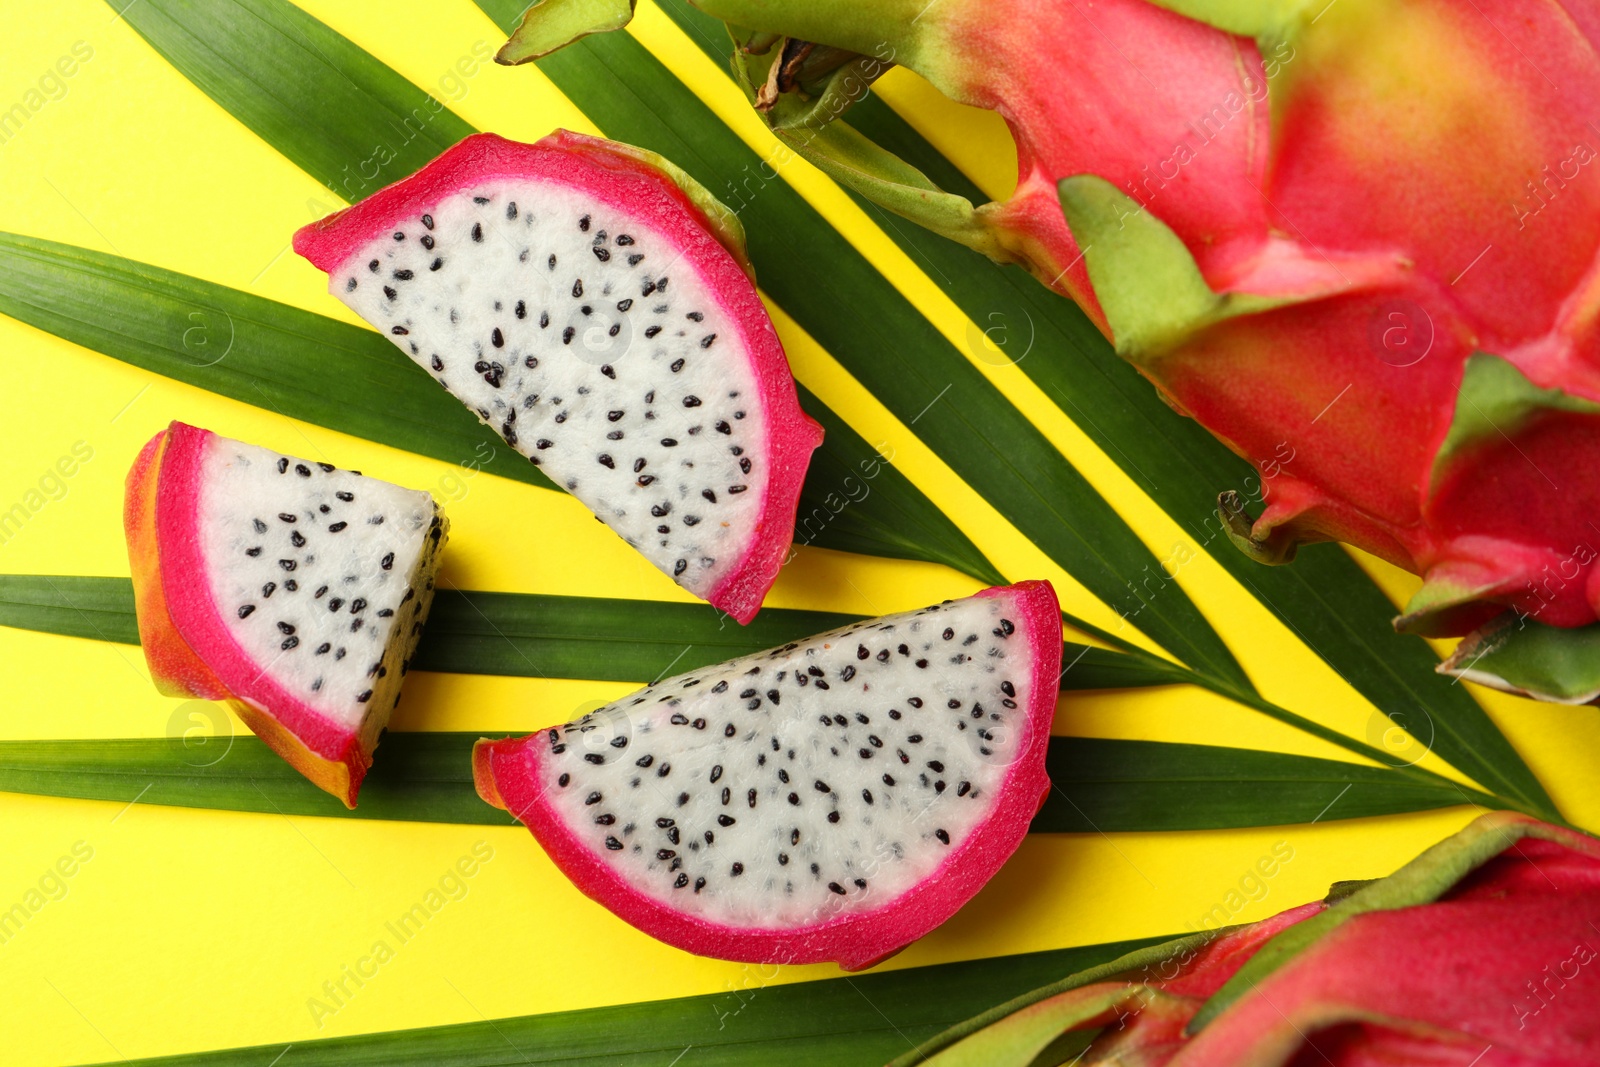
[419,777]
[1099,786]
[1107,785]
[855,1021]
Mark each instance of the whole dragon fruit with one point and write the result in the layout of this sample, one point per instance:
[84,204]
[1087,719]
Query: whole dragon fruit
[1356,240]
[1478,952]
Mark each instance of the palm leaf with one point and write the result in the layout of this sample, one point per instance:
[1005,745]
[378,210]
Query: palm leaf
[350,379]
[1324,597]
[851,309]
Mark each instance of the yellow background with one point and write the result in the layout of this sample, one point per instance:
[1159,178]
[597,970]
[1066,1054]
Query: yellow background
[191,929]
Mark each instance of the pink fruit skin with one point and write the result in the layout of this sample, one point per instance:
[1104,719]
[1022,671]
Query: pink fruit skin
[175,669]
[508,774]
[178,619]
[594,166]
[1407,161]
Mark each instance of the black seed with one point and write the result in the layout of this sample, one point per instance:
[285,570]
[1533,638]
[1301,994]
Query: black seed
[477,230]
[322,649]
[253,552]
[915,702]
[659,510]
[833,816]
[296,539]
[287,564]
[883,655]
[497,338]
[286,628]
[577,288]
[335,604]
[691,401]
[705,342]
[651,331]
[942,836]
[677,365]
[543,443]
[244,612]
[364,696]
[346,497]
[387,563]
[613,844]
[399,331]
[357,606]
[821,786]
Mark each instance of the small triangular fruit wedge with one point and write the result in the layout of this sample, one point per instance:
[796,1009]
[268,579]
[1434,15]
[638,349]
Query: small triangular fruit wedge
[833,799]
[592,304]
[292,590]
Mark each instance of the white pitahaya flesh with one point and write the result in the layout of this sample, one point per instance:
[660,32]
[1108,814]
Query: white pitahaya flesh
[832,799]
[590,304]
[293,590]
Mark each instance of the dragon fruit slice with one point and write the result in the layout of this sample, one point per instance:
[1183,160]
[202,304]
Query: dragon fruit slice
[833,799]
[1475,953]
[1268,208]
[592,304]
[292,590]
